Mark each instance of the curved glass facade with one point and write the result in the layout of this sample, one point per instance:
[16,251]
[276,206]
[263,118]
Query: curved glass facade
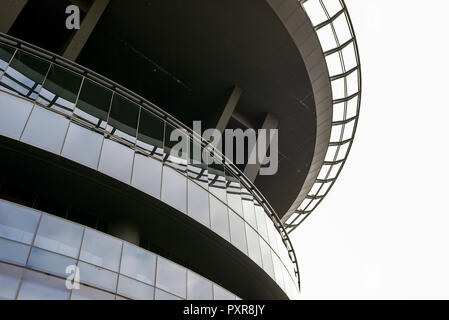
[87,120]
[332,23]
[36,248]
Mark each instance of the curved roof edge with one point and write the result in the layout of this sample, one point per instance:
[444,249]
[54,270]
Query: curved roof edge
[338,44]
[300,28]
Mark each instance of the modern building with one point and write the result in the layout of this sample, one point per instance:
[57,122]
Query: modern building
[90,187]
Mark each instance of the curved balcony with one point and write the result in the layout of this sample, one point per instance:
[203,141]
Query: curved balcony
[60,107]
[333,26]
[36,248]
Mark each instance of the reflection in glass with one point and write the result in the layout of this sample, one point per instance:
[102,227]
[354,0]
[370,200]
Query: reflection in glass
[93,104]
[97,277]
[60,90]
[25,75]
[171,277]
[198,288]
[234,194]
[49,262]
[38,286]
[14,113]
[9,281]
[88,293]
[135,290]
[46,129]
[59,236]
[151,134]
[116,160]
[147,175]
[13,252]
[83,145]
[217,181]
[198,203]
[238,236]
[253,245]
[162,295]
[17,223]
[219,218]
[174,189]
[138,263]
[101,250]
[123,118]
[222,294]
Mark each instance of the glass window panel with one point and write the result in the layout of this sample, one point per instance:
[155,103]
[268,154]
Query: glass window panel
[46,129]
[13,252]
[238,236]
[101,250]
[171,277]
[174,189]
[198,204]
[97,277]
[14,113]
[267,260]
[147,175]
[261,222]
[217,181]
[59,236]
[9,280]
[176,148]
[60,89]
[17,222]
[222,294]
[135,290]
[253,245]
[116,160]
[93,104]
[233,192]
[151,133]
[25,75]
[198,288]
[120,298]
[138,263]
[83,145]
[123,118]
[38,286]
[88,293]
[49,262]
[219,217]
[6,53]
[162,295]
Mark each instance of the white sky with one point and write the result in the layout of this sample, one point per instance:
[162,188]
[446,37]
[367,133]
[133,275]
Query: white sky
[383,230]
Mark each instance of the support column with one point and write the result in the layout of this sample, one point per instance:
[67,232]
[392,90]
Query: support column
[87,26]
[9,11]
[229,109]
[252,170]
